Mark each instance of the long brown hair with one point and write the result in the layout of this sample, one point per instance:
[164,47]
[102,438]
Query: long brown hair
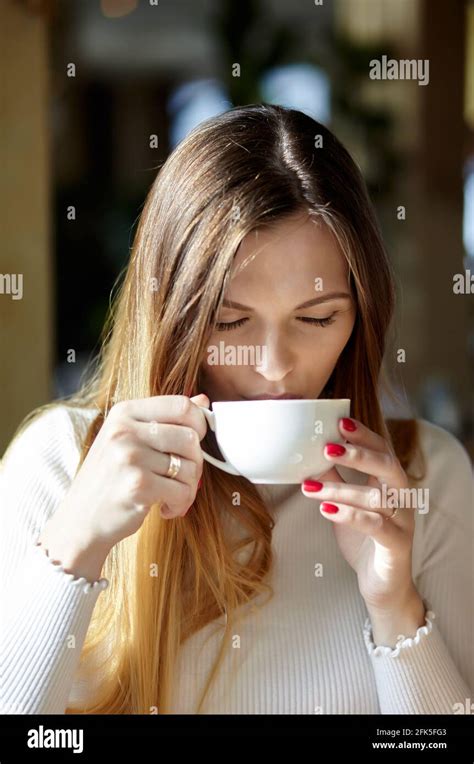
[243,169]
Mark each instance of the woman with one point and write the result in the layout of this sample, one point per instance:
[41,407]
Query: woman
[246,222]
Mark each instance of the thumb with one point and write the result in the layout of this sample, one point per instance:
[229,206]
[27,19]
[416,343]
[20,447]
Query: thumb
[201,400]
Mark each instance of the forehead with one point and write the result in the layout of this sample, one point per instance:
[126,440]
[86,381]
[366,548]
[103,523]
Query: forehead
[286,258]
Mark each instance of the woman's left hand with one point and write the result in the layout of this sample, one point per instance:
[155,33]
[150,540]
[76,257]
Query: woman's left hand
[377,546]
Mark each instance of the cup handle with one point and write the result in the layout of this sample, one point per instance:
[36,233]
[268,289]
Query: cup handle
[226,466]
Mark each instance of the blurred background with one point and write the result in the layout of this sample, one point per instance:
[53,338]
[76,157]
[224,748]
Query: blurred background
[96,93]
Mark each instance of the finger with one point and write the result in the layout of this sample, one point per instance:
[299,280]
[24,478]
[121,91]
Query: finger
[167,513]
[175,494]
[372,524]
[167,409]
[357,433]
[382,465]
[158,463]
[201,400]
[368,498]
[169,439]
[359,496]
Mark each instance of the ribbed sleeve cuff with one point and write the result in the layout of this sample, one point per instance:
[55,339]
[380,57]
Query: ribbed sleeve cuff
[47,617]
[418,675]
[101,583]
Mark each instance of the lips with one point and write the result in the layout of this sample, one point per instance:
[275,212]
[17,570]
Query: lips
[284,397]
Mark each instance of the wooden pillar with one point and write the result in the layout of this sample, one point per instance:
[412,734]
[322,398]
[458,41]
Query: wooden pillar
[438,223]
[26,326]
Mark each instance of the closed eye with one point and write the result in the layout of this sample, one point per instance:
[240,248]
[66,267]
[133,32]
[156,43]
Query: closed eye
[227,326]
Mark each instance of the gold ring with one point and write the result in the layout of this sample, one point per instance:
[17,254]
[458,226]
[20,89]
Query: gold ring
[175,466]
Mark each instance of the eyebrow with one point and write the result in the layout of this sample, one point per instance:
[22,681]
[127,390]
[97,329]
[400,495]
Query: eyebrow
[307,304]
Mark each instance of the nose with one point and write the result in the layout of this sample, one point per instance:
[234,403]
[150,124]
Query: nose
[276,357]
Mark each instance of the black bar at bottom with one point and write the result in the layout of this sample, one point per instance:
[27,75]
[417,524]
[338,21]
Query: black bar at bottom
[85,737]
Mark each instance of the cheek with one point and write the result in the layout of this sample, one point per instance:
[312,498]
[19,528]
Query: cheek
[219,376]
[341,333]
[326,349]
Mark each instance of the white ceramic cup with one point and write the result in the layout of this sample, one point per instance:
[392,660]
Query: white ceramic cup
[275,441]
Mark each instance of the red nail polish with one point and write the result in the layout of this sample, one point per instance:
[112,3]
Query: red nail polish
[199,483]
[348,424]
[312,485]
[334,449]
[331,509]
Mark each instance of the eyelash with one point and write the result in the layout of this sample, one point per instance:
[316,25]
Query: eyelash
[322,322]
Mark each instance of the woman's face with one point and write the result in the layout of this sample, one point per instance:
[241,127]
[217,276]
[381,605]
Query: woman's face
[265,342]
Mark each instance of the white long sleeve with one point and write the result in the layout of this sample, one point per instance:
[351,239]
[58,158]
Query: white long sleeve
[45,611]
[308,650]
[436,666]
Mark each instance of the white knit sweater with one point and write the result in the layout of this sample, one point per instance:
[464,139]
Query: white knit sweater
[308,651]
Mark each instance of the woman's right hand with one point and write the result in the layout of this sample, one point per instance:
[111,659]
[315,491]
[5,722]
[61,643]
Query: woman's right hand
[124,472]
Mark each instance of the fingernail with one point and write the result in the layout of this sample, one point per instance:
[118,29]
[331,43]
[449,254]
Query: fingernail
[312,485]
[334,449]
[348,424]
[331,509]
